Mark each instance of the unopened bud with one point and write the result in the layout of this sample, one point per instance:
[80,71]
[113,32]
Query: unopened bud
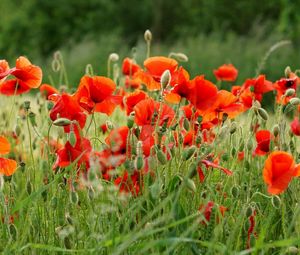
[295,101]
[139,162]
[161,157]
[263,114]
[29,187]
[186,124]
[233,128]
[190,184]
[188,152]
[275,130]
[193,170]
[32,120]
[74,197]
[61,122]
[148,35]
[26,105]
[114,57]
[249,211]
[13,231]
[276,202]
[292,250]
[249,144]
[180,56]
[287,72]
[289,92]
[234,191]
[72,138]
[17,130]
[165,78]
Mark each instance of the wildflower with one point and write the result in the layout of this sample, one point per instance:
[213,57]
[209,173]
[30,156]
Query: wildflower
[226,73]
[295,126]
[47,90]
[263,139]
[207,211]
[27,76]
[7,166]
[131,99]
[279,170]
[282,86]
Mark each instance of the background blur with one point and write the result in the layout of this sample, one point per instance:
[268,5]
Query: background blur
[209,32]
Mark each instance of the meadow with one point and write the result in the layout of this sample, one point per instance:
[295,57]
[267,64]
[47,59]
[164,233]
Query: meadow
[152,156]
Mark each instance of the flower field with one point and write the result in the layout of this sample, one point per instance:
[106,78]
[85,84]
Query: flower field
[148,160]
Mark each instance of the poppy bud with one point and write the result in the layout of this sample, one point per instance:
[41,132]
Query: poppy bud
[54,202]
[276,202]
[69,220]
[50,105]
[89,70]
[233,151]
[225,156]
[26,105]
[92,175]
[241,146]
[139,162]
[152,163]
[294,101]
[114,57]
[72,138]
[74,197]
[234,191]
[13,231]
[186,124]
[190,184]
[67,243]
[249,211]
[165,78]
[161,157]
[179,56]
[198,139]
[130,120]
[287,72]
[148,35]
[17,130]
[292,250]
[155,190]
[289,92]
[193,170]
[61,122]
[188,152]
[32,120]
[289,107]
[275,130]
[263,114]
[29,187]
[233,127]
[256,104]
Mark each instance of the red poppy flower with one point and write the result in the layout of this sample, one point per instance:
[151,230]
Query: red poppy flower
[145,109]
[132,99]
[282,85]
[207,210]
[202,93]
[251,230]
[295,126]
[147,138]
[4,69]
[47,90]
[67,106]
[155,67]
[129,67]
[95,93]
[279,170]
[27,76]
[263,139]
[129,183]
[226,73]
[180,86]
[224,102]
[117,139]
[7,166]
[69,154]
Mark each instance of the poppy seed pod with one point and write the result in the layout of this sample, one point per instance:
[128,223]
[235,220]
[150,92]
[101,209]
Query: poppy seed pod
[165,78]
[148,35]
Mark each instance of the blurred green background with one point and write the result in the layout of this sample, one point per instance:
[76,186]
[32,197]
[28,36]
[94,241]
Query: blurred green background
[209,32]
